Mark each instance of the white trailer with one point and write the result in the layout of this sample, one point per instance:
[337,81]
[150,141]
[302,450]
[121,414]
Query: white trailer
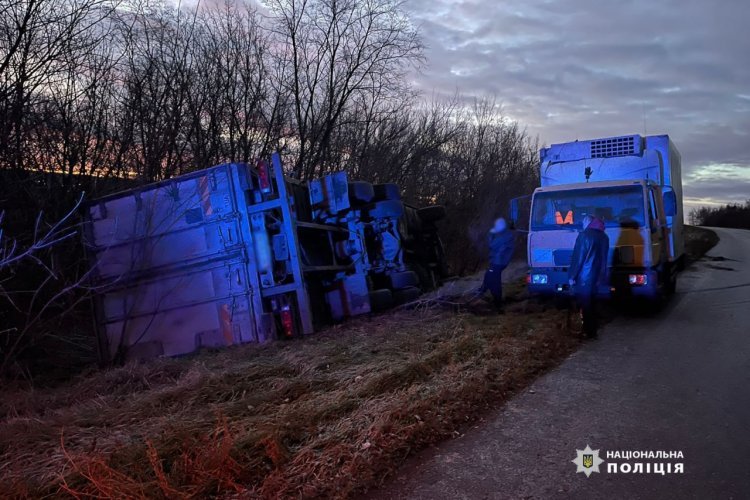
[634,185]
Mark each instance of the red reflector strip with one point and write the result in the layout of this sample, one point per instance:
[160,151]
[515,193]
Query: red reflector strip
[205,195]
[264,177]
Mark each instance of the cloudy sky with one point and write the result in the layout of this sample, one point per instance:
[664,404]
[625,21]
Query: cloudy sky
[580,69]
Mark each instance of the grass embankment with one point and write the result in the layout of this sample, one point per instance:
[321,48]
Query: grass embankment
[329,415]
[698,241]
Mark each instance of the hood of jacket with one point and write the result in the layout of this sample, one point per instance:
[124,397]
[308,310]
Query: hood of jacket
[596,224]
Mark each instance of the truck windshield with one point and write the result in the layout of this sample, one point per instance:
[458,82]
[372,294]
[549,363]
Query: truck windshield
[616,206]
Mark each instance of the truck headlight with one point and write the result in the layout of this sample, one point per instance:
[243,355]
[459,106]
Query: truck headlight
[638,279]
[539,279]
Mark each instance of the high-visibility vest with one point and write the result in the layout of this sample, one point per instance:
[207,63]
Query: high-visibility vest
[568,218]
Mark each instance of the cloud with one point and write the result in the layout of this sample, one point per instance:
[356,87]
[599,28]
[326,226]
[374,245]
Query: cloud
[586,68]
[703,182]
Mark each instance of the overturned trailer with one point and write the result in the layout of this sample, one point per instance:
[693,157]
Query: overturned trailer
[238,253]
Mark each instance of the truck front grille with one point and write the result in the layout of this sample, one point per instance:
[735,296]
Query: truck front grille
[562,257]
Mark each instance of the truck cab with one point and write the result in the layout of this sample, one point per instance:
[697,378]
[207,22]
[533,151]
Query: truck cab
[623,181]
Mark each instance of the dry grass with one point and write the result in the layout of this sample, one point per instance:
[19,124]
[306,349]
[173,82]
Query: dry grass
[330,415]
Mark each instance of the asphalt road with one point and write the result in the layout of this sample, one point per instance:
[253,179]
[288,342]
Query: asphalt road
[679,381]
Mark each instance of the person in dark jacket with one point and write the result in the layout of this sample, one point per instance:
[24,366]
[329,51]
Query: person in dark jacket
[588,268]
[501,251]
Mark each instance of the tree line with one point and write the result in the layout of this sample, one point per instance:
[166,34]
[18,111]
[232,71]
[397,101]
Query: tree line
[734,215]
[102,95]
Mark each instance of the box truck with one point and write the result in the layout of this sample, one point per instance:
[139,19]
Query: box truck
[633,184]
[242,253]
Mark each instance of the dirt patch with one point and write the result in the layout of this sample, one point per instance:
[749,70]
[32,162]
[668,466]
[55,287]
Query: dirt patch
[329,415]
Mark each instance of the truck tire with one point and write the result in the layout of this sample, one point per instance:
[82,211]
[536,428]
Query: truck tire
[387,191]
[406,295]
[385,209]
[432,214]
[361,192]
[661,295]
[671,285]
[380,300]
[405,279]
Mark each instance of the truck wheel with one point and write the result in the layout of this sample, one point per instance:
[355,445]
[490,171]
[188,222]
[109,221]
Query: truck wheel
[380,300]
[387,191]
[361,192]
[405,279]
[385,209]
[432,214]
[672,284]
[667,281]
[406,295]
[661,295]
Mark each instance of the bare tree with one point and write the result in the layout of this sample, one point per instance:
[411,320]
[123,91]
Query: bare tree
[157,84]
[40,40]
[234,110]
[55,291]
[334,50]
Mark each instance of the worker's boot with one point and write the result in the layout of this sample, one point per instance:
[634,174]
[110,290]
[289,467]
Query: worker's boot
[589,326]
[499,307]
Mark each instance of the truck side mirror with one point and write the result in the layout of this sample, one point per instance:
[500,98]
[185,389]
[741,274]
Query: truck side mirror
[514,213]
[670,202]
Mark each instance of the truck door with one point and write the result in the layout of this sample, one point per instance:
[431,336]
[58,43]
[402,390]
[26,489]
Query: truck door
[520,211]
[656,225]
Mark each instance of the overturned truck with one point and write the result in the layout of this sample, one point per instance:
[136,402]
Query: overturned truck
[238,253]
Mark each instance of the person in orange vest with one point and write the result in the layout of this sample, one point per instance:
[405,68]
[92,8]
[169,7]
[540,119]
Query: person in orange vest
[567,220]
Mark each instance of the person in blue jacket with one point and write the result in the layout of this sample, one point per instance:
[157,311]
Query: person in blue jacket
[588,268]
[501,251]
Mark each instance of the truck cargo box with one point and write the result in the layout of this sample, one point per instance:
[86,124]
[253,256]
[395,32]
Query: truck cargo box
[172,265]
[625,158]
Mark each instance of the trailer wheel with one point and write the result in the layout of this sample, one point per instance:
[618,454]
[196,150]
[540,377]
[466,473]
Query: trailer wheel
[361,192]
[387,191]
[405,279]
[406,295]
[432,214]
[386,209]
[380,300]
